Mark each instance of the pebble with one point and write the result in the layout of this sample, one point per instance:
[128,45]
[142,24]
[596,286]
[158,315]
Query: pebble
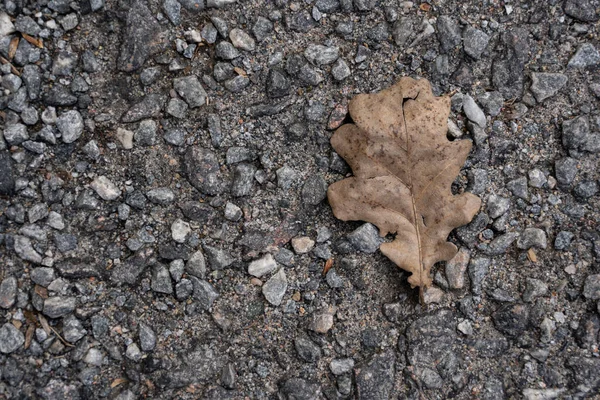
[232,212]
[433,295]
[145,135]
[497,206]
[321,55]
[133,352]
[474,42]
[586,56]
[274,289]
[242,40]
[8,292]
[532,237]
[591,287]
[478,270]
[73,329]
[262,266]
[499,245]
[204,293]
[314,190]
[94,357]
[465,327]
[190,89]
[70,125]
[180,230]
[321,323]
[58,306]
[333,280]
[226,51]
[449,32]
[365,238]
[147,337]
[105,188]
[563,240]
[196,265]
[456,267]
[42,276]
[161,279]
[307,349]
[518,187]
[565,169]
[24,249]
[546,84]
[534,288]
[262,28]
[537,179]
[302,244]
[473,112]
[15,134]
[125,137]
[243,179]
[218,258]
[340,366]
[340,70]
[161,196]
[10,338]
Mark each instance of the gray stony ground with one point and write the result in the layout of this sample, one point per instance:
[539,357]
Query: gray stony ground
[163,221]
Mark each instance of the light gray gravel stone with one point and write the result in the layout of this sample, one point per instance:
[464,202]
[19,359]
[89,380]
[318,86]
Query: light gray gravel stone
[546,84]
[190,89]
[105,188]
[497,206]
[365,238]
[147,337]
[8,292]
[242,40]
[340,366]
[10,338]
[473,112]
[58,306]
[319,55]
[586,56]
[180,230]
[262,266]
[70,125]
[591,288]
[532,237]
[196,265]
[274,289]
[24,249]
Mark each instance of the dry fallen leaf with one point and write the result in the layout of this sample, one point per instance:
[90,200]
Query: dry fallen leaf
[403,168]
[12,47]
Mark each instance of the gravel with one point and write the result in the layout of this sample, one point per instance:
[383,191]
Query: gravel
[164,226]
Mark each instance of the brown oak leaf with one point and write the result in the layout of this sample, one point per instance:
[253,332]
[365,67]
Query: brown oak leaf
[403,166]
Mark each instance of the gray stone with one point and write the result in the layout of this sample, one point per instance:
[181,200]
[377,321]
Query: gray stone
[314,190]
[565,170]
[175,136]
[340,366]
[161,279]
[177,108]
[10,338]
[190,89]
[532,237]
[242,40]
[333,280]
[546,84]
[576,136]
[37,212]
[300,389]
[209,33]
[534,289]
[585,57]
[145,37]
[243,179]
[196,265]
[6,25]
[582,10]
[145,135]
[70,125]
[321,55]
[563,240]
[233,212]
[172,9]
[365,238]
[204,293]
[58,306]
[147,337]
[449,32]
[184,289]
[237,83]
[160,196]
[591,288]
[499,245]
[180,230]
[492,102]
[202,170]
[274,289]
[214,129]
[518,187]
[262,266]
[133,352]
[73,329]
[497,206]
[473,112]
[65,242]
[105,188]
[474,42]
[228,376]
[586,189]
[262,28]
[7,179]
[149,107]
[456,267]
[24,249]
[26,24]
[15,134]
[226,51]
[340,70]
[537,179]
[478,270]
[42,276]
[307,349]
[286,176]
[512,320]
[278,84]
[375,380]
[218,258]
[8,292]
